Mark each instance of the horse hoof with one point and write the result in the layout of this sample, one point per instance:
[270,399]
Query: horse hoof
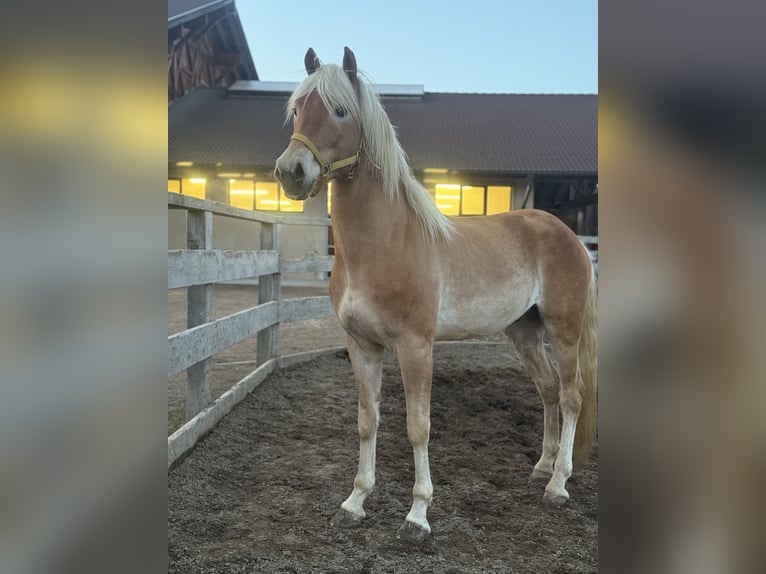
[555,499]
[344,519]
[411,534]
[540,476]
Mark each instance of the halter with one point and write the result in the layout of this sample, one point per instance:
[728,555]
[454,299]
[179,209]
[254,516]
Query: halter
[327,167]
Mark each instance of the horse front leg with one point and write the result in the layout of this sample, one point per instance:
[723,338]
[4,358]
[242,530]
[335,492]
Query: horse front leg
[415,359]
[367,364]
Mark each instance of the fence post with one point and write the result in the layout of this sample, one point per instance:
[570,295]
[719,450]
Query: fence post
[199,235]
[269,290]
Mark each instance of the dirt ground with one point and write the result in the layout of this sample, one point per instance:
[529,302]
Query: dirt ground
[231,365]
[257,494]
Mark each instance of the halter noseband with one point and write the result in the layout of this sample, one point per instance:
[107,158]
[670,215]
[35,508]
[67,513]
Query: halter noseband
[327,167]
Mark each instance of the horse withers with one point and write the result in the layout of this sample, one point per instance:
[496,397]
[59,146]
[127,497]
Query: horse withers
[405,275]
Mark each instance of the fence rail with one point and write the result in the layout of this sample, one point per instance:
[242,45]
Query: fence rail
[200,266]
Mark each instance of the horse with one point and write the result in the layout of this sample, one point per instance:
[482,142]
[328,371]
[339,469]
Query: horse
[405,275]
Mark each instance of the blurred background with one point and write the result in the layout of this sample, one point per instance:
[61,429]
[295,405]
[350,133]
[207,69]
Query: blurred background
[682,273]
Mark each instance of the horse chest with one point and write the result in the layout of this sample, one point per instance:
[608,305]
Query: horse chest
[360,317]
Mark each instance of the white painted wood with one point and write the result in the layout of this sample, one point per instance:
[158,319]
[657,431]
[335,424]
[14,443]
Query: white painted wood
[312,262]
[187,436]
[196,267]
[178,201]
[305,308]
[269,287]
[588,239]
[199,236]
[194,345]
[286,361]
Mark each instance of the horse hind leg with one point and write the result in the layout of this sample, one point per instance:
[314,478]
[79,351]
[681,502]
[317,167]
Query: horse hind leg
[564,334]
[526,334]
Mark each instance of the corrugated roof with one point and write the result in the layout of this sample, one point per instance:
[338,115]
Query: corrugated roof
[499,133]
[182,10]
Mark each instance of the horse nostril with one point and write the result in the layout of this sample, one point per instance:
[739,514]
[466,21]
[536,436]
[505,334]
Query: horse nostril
[299,175]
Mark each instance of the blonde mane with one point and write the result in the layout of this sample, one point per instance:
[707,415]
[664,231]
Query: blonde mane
[380,141]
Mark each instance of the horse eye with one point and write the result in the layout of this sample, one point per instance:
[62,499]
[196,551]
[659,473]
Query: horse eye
[295,112]
[340,112]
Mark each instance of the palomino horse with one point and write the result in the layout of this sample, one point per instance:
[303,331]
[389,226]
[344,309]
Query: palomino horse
[405,275]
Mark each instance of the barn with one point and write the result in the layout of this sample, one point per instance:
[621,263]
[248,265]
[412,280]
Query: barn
[476,153]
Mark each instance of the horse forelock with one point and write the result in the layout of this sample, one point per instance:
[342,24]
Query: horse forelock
[380,141]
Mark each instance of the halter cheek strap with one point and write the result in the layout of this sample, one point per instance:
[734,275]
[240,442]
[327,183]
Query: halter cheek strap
[327,167]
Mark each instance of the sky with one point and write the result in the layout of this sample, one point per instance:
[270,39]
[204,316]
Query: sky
[511,46]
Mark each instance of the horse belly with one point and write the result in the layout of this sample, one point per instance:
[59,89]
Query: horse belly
[481,314]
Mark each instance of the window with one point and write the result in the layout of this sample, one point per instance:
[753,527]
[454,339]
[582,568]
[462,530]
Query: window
[194,186]
[261,195]
[447,198]
[498,199]
[174,185]
[241,193]
[472,202]
[454,199]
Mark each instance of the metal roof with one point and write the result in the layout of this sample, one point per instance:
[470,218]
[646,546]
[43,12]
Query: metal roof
[493,133]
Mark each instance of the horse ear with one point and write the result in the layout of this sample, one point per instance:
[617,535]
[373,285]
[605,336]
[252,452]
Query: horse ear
[349,64]
[311,61]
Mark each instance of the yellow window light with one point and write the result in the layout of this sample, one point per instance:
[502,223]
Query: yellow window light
[435,170]
[286,204]
[241,193]
[267,195]
[447,200]
[473,200]
[184,163]
[498,199]
[194,186]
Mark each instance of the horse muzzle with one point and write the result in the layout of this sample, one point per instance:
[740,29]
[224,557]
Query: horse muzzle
[298,181]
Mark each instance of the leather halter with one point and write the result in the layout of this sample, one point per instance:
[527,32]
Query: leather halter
[327,167]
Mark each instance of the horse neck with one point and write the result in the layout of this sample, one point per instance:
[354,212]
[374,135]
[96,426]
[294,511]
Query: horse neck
[365,220]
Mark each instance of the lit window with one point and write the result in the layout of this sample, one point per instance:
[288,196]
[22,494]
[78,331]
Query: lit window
[287,204]
[454,199]
[241,193]
[498,199]
[329,198]
[174,185]
[269,196]
[194,186]
[472,200]
[447,198]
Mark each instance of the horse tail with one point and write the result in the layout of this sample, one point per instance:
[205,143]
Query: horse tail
[588,356]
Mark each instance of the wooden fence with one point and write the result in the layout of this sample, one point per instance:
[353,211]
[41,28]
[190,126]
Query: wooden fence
[197,268]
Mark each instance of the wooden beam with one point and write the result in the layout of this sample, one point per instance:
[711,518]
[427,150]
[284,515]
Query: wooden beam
[196,267]
[305,308]
[311,262]
[178,201]
[189,347]
[269,290]
[199,235]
